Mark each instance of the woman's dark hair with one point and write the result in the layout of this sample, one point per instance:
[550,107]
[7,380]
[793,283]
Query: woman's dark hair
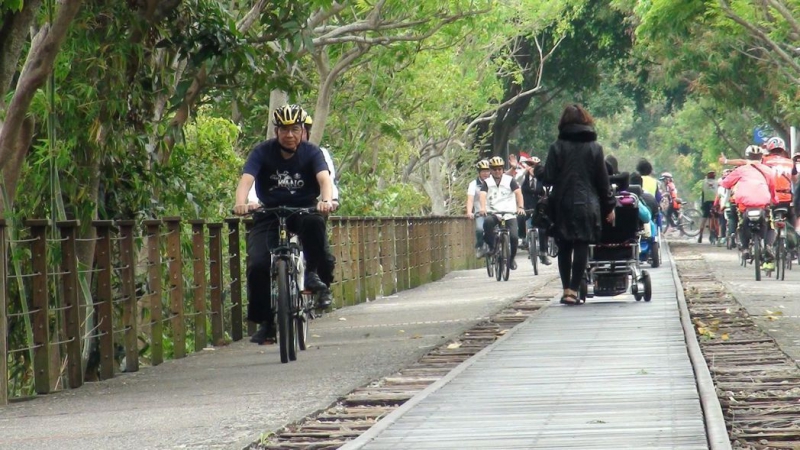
[611,161]
[644,167]
[636,178]
[575,114]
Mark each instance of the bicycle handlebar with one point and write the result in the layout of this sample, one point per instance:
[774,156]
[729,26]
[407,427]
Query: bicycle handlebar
[278,210]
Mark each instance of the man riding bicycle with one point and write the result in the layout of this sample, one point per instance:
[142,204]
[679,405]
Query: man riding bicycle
[501,193]
[287,172]
[533,190]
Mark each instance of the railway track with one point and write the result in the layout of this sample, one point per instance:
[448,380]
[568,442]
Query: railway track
[758,385]
[358,411]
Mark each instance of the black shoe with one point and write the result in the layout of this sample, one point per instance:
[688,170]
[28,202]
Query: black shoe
[324,299]
[544,260]
[700,239]
[512,265]
[313,283]
[264,335]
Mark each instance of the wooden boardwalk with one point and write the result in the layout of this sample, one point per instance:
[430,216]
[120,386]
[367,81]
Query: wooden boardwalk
[610,374]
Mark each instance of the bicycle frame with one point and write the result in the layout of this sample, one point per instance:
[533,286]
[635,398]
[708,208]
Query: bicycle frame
[292,308]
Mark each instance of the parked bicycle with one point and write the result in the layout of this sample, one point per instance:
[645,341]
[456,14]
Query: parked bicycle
[294,306]
[685,220]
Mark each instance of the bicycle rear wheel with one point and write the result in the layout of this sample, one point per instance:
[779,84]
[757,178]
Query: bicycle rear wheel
[780,258]
[690,222]
[757,256]
[499,262]
[533,249]
[302,319]
[287,339]
[552,247]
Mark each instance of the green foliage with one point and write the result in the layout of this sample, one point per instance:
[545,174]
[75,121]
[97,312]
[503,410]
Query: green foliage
[203,170]
[361,197]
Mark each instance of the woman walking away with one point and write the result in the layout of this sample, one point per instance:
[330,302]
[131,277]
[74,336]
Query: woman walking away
[581,196]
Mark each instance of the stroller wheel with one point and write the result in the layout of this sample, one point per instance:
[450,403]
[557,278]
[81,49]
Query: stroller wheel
[648,289]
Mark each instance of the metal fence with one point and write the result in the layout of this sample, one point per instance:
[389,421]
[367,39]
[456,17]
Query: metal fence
[164,288]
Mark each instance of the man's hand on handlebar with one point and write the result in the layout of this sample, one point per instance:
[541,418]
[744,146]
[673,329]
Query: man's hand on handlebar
[520,211]
[482,213]
[325,207]
[471,215]
[243,209]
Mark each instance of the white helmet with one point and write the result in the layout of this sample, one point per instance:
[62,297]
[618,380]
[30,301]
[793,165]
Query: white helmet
[753,150]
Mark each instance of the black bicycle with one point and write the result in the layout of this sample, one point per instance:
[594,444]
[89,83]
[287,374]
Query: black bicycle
[500,258]
[782,255]
[293,306]
[754,219]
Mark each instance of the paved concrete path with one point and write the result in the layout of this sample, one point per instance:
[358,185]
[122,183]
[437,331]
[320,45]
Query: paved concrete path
[227,397]
[612,373]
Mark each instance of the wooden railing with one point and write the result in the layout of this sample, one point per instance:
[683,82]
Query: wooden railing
[157,295]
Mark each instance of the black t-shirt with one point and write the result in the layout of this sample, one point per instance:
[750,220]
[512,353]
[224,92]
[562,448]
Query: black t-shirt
[286,182]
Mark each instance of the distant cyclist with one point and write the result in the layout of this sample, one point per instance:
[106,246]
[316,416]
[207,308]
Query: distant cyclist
[474,205]
[754,184]
[671,196]
[501,193]
[707,196]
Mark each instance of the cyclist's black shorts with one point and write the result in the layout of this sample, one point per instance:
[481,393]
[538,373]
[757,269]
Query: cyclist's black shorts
[706,209]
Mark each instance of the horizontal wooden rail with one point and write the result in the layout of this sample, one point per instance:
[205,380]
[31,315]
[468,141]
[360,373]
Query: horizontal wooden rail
[160,288]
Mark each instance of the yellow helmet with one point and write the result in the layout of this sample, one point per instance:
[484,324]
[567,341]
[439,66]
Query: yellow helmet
[483,164]
[287,115]
[308,121]
[496,161]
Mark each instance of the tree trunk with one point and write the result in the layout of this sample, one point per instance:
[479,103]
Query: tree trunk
[276,98]
[38,66]
[433,186]
[14,29]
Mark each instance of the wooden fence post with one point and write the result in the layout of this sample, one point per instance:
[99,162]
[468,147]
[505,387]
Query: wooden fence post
[176,286]
[199,285]
[72,313]
[40,305]
[104,309]
[248,225]
[3,317]
[235,269]
[388,257]
[153,229]
[215,287]
[337,242]
[129,306]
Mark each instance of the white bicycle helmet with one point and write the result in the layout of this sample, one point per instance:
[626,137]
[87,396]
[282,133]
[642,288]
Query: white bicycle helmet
[752,151]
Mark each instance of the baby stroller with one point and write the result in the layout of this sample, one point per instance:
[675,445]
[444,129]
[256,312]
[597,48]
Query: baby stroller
[613,265]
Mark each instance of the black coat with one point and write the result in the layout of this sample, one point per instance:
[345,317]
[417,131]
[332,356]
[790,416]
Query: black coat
[531,193]
[581,197]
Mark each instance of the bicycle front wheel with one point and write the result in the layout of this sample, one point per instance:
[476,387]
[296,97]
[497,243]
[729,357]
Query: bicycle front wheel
[506,256]
[533,249]
[499,262]
[286,332]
